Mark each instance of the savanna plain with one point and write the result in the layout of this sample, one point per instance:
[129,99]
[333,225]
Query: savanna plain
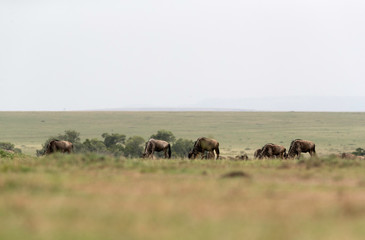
[90,196]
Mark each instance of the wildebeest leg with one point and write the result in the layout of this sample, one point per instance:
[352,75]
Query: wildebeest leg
[152,150]
[312,153]
[217,152]
[299,152]
[54,148]
[165,151]
[270,153]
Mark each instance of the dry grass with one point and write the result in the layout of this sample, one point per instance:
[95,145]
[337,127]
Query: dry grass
[91,197]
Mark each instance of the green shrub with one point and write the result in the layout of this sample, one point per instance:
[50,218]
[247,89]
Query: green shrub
[6,154]
[134,147]
[165,135]
[182,147]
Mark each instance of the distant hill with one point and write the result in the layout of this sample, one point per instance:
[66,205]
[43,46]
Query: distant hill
[315,104]
[335,104]
[175,109]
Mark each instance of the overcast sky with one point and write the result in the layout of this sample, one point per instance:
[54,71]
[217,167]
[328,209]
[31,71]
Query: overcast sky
[76,55]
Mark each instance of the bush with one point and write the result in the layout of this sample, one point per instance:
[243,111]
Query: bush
[7,146]
[165,135]
[114,139]
[114,143]
[134,147]
[71,136]
[93,145]
[359,152]
[182,147]
[6,154]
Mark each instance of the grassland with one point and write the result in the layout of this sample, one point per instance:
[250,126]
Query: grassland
[97,197]
[236,131]
[101,197]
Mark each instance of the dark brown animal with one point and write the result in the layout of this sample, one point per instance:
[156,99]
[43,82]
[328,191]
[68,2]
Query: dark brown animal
[257,153]
[298,146]
[154,145]
[59,146]
[271,150]
[203,144]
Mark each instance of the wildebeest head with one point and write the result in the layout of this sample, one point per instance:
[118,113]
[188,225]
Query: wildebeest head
[293,149]
[191,154]
[257,153]
[50,148]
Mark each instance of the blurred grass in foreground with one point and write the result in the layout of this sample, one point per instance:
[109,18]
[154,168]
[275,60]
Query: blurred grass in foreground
[101,197]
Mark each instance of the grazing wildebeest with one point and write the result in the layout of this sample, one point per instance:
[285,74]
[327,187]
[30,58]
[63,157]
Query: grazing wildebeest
[203,144]
[271,150]
[257,153]
[298,146]
[59,146]
[154,145]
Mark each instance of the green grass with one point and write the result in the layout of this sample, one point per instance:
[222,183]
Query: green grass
[236,131]
[100,197]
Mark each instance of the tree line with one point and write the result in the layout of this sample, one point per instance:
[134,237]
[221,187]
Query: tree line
[119,145]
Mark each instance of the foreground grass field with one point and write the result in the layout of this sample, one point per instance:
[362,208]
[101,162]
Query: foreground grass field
[99,197]
[236,131]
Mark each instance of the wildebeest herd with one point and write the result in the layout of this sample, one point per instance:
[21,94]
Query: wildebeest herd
[206,148]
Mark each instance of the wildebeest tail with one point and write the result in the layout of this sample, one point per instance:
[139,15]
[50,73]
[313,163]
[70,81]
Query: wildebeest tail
[169,152]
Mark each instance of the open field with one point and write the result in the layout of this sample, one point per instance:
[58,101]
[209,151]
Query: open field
[236,131]
[101,197]
[97,197]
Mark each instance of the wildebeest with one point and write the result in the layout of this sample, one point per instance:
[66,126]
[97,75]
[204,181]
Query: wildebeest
[154,145]
[298,146]
[203,144]
[271,150]
[59,146]
[257,153]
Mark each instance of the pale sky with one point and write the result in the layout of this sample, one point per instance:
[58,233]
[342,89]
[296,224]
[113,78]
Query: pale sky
[79,55]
